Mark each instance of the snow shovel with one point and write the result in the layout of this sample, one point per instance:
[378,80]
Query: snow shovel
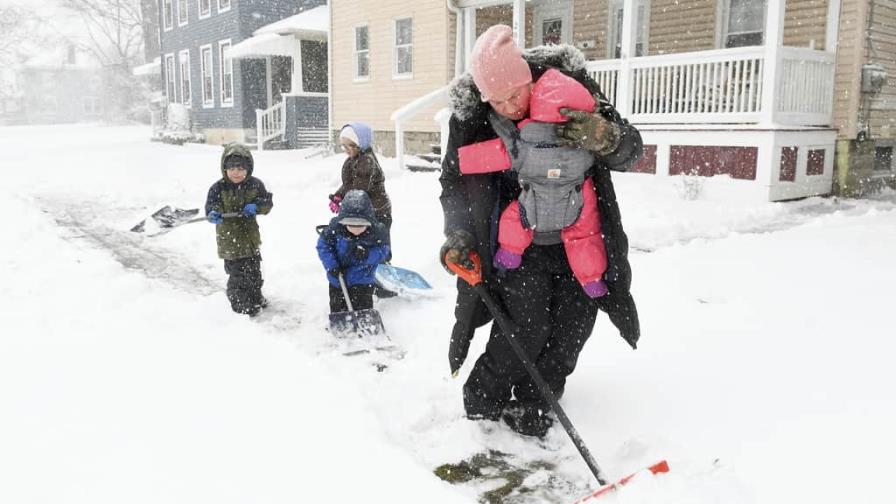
[473,276]
[167,218]
[361,323]
[400,280]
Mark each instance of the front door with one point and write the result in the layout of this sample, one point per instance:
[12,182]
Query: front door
[281,78]
[552,22]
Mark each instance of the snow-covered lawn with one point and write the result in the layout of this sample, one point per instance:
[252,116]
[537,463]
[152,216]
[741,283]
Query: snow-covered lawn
[764,373]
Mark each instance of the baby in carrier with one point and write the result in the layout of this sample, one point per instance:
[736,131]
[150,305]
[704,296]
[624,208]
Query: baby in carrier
[557,202]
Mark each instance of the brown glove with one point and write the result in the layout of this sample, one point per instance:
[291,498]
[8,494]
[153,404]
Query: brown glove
[456,249]
[588,130]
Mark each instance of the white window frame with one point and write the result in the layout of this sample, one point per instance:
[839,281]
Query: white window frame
[356,52]
[171,78]
[199,9]
[186,80]
[225,8]
[642,25]
[186,11]
[396,47]
[221,72]
[207,72]
[723,12]
[167,25]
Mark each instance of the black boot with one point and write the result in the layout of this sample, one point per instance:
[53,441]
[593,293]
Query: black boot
[527,419]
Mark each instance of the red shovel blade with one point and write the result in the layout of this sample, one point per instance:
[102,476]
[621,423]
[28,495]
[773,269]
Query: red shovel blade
[660,467]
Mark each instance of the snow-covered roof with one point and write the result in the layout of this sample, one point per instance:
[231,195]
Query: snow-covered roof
[152,68]
[266,44]
[312,24]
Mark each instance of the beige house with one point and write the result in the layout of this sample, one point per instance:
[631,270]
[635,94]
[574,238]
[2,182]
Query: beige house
[790,94]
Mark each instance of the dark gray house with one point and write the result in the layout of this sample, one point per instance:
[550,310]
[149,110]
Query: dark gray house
[248,69]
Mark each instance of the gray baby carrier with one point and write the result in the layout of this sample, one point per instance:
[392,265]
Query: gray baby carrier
[550,175]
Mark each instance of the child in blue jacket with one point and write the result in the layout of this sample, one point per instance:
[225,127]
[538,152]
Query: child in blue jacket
[353,245]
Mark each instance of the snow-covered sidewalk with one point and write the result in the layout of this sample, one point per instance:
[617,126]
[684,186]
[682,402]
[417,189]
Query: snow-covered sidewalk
[763,374]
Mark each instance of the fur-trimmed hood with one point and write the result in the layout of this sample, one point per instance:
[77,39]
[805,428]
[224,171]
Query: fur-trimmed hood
[463,95]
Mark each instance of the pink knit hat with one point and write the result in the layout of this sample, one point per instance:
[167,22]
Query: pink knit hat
[497,64]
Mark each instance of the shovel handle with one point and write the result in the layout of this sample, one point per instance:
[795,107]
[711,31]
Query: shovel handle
[472,276]
[348,300]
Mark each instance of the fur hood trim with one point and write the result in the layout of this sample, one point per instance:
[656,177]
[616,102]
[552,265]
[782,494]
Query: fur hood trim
[464,98]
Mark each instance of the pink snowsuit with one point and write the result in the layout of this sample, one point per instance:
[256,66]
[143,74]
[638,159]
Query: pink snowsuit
[582,240]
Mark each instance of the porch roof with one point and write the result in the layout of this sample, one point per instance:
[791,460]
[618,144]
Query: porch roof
[154,67]
[313,24]
[266,44]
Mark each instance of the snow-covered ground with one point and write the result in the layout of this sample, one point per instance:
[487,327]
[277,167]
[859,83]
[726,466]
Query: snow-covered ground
[764,373]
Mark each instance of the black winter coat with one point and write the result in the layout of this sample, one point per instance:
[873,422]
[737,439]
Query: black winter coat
[474,202]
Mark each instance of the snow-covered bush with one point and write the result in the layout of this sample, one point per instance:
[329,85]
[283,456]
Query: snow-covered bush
[690,185]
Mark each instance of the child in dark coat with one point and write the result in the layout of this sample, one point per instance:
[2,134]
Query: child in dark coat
[352,246]
[362,170]
[238,192]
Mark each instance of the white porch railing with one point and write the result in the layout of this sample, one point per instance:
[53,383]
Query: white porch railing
[437,97]
[720,86]
[270,123]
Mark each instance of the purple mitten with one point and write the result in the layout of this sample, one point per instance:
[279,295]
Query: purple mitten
[596,288]
[507,260]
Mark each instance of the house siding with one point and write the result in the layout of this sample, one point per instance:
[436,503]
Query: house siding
[882,51]
[249,75]
[373,100]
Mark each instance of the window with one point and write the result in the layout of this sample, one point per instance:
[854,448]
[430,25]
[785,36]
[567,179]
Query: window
[883,158]
[225,69]
[170,88]
[362,52]
[552,31]
[208,76]
[314,66]
[185,96]
[92,106]
[205,8]
[643,21]
[182,12]
[167,14]
[743,23]
[223,5]
[403,56]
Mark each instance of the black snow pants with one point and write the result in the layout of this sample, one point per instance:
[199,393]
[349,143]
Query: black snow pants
[244,284]
[361,296]
[555,317]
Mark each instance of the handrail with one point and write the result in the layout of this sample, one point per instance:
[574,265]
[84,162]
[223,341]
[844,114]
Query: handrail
[411,109]
[270,123]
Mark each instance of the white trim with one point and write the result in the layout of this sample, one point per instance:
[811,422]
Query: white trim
[199,9]
[171,77]
[832,26]
[225,9]
[186,20]
[221,63]
[188,83]
[395,47]
[207,101]
[166,26]
[355,52]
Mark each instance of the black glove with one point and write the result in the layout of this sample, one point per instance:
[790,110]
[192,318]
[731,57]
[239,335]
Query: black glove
[361,253]
[335,271]
[457,247]
[588,130]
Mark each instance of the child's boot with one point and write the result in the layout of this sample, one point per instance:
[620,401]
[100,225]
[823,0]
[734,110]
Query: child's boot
[505,259]
[596,288]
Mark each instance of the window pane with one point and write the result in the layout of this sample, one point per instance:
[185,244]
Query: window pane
[551,31]
[403,32]
[361,38]
[314,66]
[744,39]
[404,63]
[746,15]
[363,65]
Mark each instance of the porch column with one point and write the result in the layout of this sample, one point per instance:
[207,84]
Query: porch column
[269,81]
[774,39]
[469,34]
[295,85]
[519,23]
[832,31]
[627,51]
